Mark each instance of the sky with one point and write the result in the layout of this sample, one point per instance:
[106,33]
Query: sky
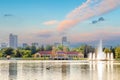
[46,21]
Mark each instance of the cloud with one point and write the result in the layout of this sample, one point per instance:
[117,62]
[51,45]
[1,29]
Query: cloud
[87,10]
[99,20]
[45,33]
[105,34]
[49,23]
[8,15]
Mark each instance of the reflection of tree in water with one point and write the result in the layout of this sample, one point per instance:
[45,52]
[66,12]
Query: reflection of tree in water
[117,67]
[85,67]
[12,71]
[35,69]
[65,71]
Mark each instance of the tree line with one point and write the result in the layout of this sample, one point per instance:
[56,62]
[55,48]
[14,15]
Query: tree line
[29,51]
[26,52]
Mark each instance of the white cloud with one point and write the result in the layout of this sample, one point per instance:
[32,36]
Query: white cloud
[52,22]
[87,10]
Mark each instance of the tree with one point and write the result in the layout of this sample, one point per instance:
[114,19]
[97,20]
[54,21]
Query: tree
[80,49]
[28,48]
[42,48]
[33,50]
[17,53]
[25,53]
[117,52]
[60,47]
[8,51]
[1,54]
[88,49]
[48,48]
[107,51]
[112,50]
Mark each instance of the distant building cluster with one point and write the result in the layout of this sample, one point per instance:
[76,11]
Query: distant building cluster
[64,42]
[3,45]
[13,42]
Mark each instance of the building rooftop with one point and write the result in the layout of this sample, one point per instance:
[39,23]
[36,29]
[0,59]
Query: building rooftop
[59,52]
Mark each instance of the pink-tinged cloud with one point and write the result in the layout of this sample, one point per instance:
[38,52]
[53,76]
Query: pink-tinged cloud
[105,34]
[49,23]
[87,10]
[44,33]
[66,24]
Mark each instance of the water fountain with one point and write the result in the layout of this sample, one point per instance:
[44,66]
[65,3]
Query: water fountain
[100,54]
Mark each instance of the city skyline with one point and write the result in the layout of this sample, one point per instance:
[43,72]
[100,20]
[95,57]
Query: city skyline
[46,21]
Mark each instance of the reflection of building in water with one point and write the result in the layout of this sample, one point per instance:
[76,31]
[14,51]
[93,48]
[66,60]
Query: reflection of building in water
[30,71]
[20,71]
[4,71]
[12,71]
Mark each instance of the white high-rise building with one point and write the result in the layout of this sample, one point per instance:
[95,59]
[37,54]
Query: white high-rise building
[65,41]
[13,41]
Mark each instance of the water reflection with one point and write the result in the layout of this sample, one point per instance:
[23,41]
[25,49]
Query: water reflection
[12,71]
[92,70]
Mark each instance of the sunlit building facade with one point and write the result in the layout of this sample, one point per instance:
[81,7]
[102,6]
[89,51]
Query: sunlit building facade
[13,41]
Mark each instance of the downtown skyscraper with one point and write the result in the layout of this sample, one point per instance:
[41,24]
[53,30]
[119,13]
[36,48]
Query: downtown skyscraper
[65,41]
[13,41]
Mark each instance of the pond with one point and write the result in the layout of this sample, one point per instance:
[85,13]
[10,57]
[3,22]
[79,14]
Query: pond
[59,70]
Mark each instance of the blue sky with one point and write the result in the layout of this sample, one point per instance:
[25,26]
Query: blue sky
[46,21]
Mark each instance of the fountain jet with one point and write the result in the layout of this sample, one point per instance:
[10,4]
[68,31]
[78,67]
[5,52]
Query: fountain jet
[100,54]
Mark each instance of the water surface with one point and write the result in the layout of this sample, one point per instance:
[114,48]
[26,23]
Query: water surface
[59,70]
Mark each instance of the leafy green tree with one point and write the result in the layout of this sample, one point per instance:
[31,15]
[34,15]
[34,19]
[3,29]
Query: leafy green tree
[79,49]
[27,48]
[1,54]
[25,53]
[33,49]
[38,49]
[112,49]
[87,50]
[17,53]
[42,48]
[107,51]
[48,48]
[8,51]
[68,49]
[60,47]
[117,52]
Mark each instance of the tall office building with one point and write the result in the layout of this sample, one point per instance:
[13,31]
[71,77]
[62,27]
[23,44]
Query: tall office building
[64,41]
[13,41]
